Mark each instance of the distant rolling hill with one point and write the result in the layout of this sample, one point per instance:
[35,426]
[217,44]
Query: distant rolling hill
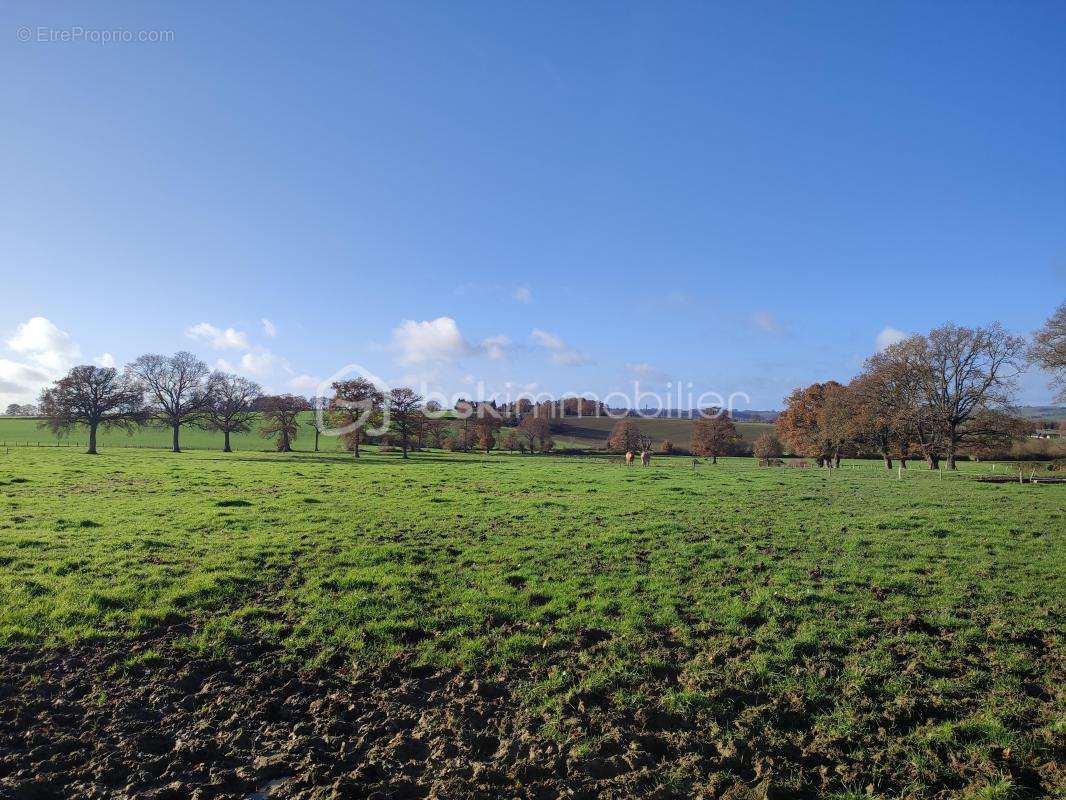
[1056,413]
[592,432]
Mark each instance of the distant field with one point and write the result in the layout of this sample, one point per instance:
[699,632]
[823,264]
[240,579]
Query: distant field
[586,432]
[592,432]
[569,625]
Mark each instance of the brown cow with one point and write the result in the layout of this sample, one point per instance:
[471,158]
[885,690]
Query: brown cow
[645,458]
[629,458]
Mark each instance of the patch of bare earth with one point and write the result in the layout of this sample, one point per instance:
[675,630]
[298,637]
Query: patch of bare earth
[76,723]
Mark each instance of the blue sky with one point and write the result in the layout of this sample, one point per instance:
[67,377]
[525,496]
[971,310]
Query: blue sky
[563,197]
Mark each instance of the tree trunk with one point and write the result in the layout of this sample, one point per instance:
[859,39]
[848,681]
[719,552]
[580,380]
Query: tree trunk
[404,448]
[317,434]
[836,461]
[714,459]
[226,447]
[951,447]
[902,462]
[933,461]
[888,460]
[355,450]
[177,447]
[92,439]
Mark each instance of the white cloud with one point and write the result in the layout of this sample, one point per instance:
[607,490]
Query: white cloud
[304,384]
[523,294]
[430,341]
[269,328]
[496,347]
[644,370]
[561,352]
[50,353]
[21,383]
[228,339]
[45,345]
[766,321]
[888,337]
[261,362]
[105,360]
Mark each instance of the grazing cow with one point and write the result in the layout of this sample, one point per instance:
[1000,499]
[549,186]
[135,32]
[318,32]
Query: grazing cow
[629,458]
[645,458]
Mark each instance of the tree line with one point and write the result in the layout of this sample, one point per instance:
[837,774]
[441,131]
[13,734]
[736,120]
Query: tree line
[179,392]
[21,410]
[935,397]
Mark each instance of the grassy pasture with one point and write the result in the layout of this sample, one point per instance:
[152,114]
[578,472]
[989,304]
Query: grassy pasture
[909,630]
[23,430]
[587,432]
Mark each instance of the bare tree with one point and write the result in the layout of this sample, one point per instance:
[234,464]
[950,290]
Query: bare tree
[94,397]
[534,427]
[281,419]
[436,431]
[510,440]
[356,405]
[971,376]
[231,406]
[951,389]
[419,429]
[403,405]
[1048,350]
[179,389]
[488,423]
[318,406]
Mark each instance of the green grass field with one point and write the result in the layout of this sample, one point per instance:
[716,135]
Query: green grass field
[908,631]
[587,433]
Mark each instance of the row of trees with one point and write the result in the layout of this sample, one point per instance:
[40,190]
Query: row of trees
[179,392]
[175,391]
[935,396]
[17,410]
[713,434]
